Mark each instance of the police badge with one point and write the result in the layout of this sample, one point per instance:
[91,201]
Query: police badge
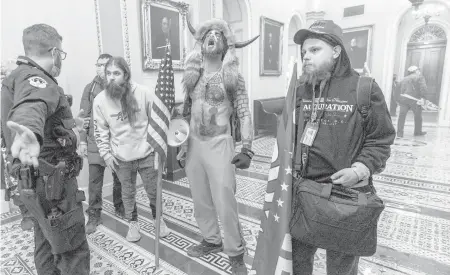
[37,82]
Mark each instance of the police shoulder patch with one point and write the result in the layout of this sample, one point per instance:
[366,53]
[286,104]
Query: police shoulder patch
[37,82]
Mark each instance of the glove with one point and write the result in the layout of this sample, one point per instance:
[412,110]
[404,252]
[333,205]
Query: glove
[243,159]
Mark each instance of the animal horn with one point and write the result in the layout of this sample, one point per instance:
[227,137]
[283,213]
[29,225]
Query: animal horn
[191,28]
[238,45]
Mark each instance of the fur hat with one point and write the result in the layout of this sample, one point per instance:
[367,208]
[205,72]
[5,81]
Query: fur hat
[230,64]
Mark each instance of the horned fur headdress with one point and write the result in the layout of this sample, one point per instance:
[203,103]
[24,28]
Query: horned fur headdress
[230,64]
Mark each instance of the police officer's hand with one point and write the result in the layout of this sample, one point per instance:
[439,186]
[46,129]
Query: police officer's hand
[83,149]
[25,146]
[111,162]
[346,177]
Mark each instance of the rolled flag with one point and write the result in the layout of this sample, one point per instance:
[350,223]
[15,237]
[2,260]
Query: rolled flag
[426,104]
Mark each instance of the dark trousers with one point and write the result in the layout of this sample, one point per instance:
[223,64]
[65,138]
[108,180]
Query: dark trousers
[96,174]
[417,110]
[76,261]
[393,106]
[337,263]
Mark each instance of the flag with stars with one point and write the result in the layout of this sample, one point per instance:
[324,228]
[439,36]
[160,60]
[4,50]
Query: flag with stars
[162,106]
[273,254]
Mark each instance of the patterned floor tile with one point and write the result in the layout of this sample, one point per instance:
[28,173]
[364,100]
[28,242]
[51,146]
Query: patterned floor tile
[262,146]
[367,266]
[180,210]
[418,173]
[415,158]
[411,196]
[403,231]
[411,183]
[417,234]
[114,248]
[110,254]
[249,191]
[217,262]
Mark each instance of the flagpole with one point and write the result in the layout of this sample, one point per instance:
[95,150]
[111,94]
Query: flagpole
[158,207]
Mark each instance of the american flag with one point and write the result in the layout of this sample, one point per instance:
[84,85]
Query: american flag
[162,106]
[274,249]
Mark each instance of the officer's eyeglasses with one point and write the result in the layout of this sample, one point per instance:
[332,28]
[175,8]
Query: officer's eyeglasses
[98,65]
[62,53]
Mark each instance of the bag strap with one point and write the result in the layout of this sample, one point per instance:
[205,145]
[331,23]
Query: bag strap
[363,92]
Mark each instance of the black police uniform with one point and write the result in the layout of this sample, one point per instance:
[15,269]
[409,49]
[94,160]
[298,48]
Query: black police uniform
[31,97]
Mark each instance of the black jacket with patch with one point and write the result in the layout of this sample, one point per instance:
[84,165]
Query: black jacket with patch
[32,98]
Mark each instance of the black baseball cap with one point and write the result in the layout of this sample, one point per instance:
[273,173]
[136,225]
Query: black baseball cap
[320,27]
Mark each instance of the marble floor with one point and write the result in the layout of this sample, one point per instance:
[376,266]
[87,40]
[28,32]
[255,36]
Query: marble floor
[413,232]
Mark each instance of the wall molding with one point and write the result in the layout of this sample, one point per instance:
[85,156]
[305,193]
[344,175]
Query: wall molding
[99,29]
[125,35]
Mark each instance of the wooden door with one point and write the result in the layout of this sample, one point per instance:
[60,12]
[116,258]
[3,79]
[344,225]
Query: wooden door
[430,60]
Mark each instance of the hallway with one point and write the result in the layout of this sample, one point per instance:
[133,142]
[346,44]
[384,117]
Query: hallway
[413,231]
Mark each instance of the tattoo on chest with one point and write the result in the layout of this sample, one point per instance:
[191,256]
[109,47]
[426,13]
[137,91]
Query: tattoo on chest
[211,96]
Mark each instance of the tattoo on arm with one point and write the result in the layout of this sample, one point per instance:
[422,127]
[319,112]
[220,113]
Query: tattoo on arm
[241,103]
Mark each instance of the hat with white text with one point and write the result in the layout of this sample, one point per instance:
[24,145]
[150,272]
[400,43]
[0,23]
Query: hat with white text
[320,27]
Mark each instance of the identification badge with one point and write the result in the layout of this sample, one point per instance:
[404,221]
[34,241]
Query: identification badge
[309,134]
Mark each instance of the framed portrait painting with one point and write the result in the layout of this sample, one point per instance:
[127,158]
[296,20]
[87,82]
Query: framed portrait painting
[163,25]
[271,47]
[358,45]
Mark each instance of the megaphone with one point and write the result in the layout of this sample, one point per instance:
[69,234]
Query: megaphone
[178,132]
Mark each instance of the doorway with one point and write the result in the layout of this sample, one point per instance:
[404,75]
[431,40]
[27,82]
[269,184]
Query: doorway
[426,50]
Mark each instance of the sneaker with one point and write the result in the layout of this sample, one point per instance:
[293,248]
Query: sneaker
[133,234]
[164,231]
[204,248]
[238,265]
[420,134]
[399,135]
[94,220]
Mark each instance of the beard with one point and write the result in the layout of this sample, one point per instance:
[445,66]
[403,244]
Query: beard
[314,74]
[115,91]
[212,51]
[123,92]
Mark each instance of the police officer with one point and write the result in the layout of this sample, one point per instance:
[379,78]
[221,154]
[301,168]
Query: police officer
[43,135]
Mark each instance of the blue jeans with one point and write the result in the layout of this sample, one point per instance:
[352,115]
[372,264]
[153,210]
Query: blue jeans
[127,172]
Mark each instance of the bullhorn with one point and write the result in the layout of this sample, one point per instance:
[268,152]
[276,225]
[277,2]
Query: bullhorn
[178,132]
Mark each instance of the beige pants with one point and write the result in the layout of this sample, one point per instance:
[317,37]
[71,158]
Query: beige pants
[213,186]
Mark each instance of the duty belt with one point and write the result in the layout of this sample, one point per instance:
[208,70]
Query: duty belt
[68,168]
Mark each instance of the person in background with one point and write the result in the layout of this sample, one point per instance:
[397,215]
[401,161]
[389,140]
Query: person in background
[393,103]
[413,85]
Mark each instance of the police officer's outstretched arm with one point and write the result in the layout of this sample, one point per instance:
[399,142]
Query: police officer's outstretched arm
[25,145]
[32,106]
